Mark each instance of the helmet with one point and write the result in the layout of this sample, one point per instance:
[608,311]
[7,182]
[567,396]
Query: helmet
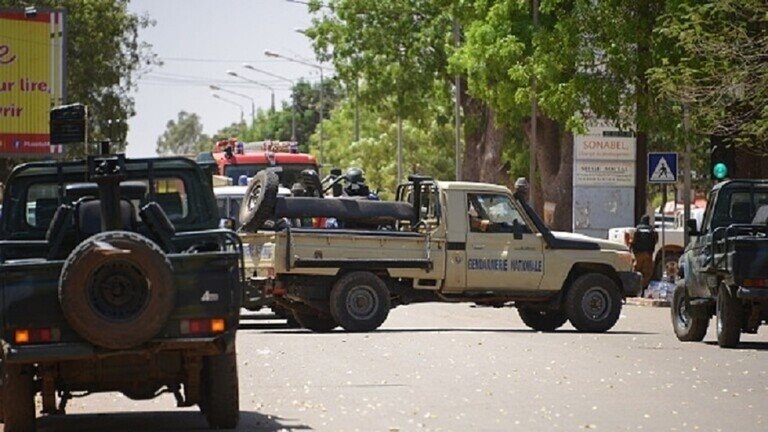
[355,175]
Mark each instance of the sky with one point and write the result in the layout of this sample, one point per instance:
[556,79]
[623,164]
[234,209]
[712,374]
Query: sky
[198,41]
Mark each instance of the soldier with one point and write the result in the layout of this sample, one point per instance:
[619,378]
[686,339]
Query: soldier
[642,246]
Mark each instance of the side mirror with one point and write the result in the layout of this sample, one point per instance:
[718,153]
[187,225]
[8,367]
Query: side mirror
[693,228]
[517,230]
[227,223]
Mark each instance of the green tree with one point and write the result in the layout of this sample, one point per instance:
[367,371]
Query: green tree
[235,130]
[183,136]
[104,57]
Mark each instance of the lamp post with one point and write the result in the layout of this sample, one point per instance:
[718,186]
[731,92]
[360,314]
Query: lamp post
[270,88]
[253,102]
[269,53]
[231,102]
[293,97]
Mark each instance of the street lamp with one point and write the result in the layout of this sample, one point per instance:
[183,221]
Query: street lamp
[253,102]
[231,102]
[271,89]
[293,96]
[269,53]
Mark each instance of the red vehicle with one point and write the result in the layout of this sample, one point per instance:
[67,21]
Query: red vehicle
[236,159]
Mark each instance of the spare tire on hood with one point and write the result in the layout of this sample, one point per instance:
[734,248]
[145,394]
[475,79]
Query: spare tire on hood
[116,289]
[258,203]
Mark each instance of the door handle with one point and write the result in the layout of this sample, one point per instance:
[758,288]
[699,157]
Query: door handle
[478,246]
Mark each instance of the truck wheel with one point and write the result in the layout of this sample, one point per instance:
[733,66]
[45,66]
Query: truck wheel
[18,399]
[729,313]
[116,289]
[315,323]
[593,303]
[688,328]
[259,201]
[360,302]
[220,399]
[542,320]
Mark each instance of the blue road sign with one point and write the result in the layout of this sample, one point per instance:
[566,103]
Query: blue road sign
[662,168]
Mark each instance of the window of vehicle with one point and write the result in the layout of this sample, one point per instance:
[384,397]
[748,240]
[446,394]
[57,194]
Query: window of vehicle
[494,213]
[42,202]
[288,176]
[740,206]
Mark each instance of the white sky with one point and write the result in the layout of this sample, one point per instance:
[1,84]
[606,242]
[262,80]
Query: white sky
[198,41]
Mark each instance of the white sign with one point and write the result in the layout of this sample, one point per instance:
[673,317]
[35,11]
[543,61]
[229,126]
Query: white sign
[662,167]
[604,173]
[604,148]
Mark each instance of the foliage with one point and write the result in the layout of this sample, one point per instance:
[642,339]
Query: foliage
[183,136]
[427,146]
[235,130]
[277,125]
[717,65]
[104,57]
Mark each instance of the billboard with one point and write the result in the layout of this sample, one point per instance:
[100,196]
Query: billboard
[32,70]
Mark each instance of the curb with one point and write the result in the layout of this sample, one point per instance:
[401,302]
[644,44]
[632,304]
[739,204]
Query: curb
[639,301]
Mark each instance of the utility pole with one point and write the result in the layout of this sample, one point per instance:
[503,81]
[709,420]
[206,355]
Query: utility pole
[686,178]
[534,110]
[457,107]
[357,109]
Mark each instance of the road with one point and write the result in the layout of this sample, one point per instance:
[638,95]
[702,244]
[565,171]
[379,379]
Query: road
[445,367]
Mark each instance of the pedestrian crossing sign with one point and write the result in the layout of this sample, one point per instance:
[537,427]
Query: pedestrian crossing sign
[662,167]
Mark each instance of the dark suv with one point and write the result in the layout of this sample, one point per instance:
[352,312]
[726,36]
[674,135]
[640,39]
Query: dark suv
[116,277]
[725,267]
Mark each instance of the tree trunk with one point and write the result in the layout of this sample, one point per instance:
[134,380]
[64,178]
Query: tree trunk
[554,182]
[483,141]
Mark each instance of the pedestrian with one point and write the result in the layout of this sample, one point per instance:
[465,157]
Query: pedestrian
[642,245]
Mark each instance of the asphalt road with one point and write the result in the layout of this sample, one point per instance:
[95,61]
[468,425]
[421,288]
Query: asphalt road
[458,368]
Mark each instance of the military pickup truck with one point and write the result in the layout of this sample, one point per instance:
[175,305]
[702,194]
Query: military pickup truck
[115,276]
[724,270]
[438,242]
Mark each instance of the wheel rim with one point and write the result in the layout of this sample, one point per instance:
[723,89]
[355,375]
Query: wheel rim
[596,303]
[682,314]
[251,204]
[719,314]
[118,291]
[362,302]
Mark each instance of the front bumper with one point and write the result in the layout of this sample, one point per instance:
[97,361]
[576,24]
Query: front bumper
[745,293]
[631,283]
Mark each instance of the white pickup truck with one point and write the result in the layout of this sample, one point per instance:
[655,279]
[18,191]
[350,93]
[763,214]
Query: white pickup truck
[439,242]
[673,239]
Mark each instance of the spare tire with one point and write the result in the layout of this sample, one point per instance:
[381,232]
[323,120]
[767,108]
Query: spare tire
[116,289]
[259,201]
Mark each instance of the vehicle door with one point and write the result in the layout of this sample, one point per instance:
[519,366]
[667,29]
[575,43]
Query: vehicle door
[503,252]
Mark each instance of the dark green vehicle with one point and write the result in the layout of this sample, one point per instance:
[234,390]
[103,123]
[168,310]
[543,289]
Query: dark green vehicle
[116,278]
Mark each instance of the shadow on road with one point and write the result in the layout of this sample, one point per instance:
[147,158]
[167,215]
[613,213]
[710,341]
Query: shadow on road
[459,330]
[755,346]
[157,421]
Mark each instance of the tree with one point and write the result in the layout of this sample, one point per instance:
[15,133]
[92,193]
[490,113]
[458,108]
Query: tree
[183,136]
[399,51]
[718,67]
[104,57]
[235,130]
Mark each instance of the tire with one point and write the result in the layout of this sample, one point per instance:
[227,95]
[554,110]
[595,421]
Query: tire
[729,314]
[114,299]
[542,320]
[259,200]
[360,302]
[658,266]
[593,303]
[18,399]
[315,323]
[687,328]
[220,398]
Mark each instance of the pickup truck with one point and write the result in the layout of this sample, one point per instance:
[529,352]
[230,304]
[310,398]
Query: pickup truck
[121,282]
[724,270]
[438,242]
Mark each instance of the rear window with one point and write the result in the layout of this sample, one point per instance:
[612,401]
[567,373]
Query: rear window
[740,206]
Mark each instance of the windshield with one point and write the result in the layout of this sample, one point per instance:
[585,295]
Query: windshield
[288,176]
[742,205]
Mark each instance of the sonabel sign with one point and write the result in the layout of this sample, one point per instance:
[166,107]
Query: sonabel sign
[604,147]
[31,79]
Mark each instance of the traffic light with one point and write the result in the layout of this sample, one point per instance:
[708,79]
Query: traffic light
[721,163]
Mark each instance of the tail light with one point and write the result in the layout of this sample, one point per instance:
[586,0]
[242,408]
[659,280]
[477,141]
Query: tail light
[25,336]
[755,283]
[202,326]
